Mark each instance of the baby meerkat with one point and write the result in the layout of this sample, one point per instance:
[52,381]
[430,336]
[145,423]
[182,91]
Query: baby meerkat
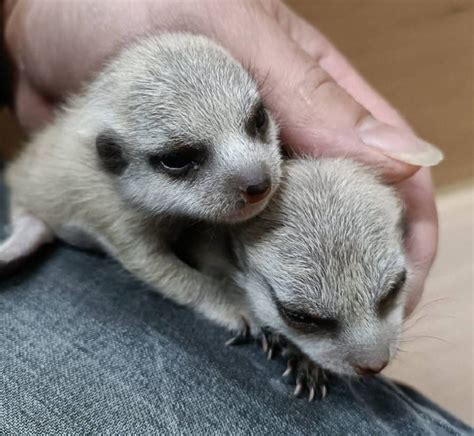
[173,130]
[323,266]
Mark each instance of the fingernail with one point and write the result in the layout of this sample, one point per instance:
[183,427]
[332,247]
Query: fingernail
[399,144]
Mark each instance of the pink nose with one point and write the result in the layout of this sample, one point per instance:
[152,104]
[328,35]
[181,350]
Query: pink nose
[368,370]
[256,193]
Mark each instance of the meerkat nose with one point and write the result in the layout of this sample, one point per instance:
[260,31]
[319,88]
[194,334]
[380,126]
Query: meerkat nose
[368,370]
[256,192]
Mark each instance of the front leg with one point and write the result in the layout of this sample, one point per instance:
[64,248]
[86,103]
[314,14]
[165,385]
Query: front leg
[217,299]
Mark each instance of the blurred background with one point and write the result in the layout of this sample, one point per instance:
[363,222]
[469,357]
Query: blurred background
[420,55]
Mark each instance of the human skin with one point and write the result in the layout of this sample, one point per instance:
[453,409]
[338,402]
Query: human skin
[324,107]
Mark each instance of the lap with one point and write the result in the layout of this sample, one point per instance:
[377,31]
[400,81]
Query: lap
[86,348]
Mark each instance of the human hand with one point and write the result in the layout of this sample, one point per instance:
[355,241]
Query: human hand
[323,105]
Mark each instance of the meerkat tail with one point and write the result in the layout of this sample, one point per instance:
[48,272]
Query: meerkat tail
[29,233]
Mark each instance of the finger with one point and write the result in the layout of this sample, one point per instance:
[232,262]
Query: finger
[334,62]
[422,238]
[32,109]
[319,117]
[57,47]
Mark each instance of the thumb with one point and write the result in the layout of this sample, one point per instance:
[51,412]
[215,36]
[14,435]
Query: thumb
[319,117]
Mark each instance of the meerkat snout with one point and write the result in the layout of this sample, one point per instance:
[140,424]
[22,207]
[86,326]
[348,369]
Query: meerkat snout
[256,193]
[374,345]
[255,185]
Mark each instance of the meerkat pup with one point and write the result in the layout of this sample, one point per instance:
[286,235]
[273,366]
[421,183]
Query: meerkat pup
[323,266]
[173,130]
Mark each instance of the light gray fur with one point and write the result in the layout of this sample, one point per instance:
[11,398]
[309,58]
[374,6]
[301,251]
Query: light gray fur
[176,87]
[329,243]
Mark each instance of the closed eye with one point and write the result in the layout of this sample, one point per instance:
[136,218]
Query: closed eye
[388,301]
[306,322]
[300,320]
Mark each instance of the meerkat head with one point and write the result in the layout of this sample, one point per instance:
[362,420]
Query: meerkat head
[186,131]
[324,265]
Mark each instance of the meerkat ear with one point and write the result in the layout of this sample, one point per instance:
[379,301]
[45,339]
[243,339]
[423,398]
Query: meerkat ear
[110,151]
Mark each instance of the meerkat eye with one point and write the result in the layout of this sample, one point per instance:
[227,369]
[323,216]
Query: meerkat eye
[306,322]
[389,299]
[177,162]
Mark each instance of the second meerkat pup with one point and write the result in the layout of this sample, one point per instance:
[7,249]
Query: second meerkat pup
[322,269]
[173,130]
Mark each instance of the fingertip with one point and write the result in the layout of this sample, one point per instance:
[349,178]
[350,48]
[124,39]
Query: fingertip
[397,143]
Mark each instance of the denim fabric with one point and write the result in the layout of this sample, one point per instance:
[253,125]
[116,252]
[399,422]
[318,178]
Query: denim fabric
[87,349]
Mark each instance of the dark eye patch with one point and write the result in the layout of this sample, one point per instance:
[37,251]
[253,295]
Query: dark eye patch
[109,146]
[389,299]
[306,322]
[178,159]
[257,123]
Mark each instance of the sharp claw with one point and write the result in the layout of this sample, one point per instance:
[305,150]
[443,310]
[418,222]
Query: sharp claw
[240,338]
[298,389]
[270,353]
[323,391]
[264,343]
[288,370]
[231,341]
[311,393]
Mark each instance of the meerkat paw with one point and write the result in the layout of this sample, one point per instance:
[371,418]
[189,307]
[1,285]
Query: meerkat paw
[309,377]
[247,331]
[243,336]
[272,343]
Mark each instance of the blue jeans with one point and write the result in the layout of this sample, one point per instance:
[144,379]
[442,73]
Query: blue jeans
[87,349]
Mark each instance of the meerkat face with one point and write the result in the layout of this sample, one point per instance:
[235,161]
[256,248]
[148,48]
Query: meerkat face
[324,265]
[194,137]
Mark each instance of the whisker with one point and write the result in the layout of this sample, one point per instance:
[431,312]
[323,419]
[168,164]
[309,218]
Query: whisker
[425,305]
[414,338]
